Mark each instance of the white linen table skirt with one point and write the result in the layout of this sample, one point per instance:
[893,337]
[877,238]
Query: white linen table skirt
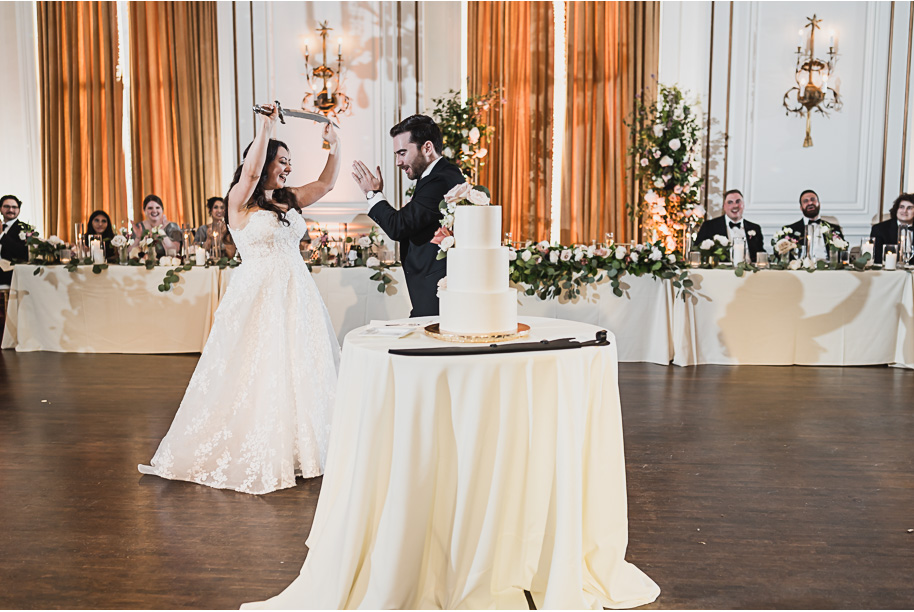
[460,482]
[118,311]
[783,317]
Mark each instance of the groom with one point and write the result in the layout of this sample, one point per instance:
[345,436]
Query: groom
[417,151]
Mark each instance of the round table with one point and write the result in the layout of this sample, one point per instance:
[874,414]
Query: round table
[461,481]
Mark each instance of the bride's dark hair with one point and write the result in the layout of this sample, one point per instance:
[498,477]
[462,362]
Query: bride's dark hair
[258,198]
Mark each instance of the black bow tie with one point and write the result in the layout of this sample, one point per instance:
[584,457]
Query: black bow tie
[815,221]
[736,225]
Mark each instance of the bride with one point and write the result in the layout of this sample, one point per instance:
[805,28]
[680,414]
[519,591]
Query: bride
[257,411]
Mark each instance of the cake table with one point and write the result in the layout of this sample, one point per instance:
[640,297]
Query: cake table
[460,482]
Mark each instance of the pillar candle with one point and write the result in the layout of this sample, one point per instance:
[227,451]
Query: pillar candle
[891,260]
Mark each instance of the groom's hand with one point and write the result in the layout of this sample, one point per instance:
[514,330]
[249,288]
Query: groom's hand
[365,179]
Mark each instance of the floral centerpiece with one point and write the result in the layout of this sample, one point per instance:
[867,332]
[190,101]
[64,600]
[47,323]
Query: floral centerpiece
[464,128]
[786,243]
[665,152]
[367,246]
[463,194]
[833,238]
[715,249]
[41,251]
[121,242]
[151,239]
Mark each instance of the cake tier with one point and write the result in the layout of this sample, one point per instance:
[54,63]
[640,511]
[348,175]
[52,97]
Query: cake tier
[483,270]
[478,313]
[477,227]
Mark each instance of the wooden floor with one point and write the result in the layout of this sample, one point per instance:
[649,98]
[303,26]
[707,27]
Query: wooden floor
[749,487]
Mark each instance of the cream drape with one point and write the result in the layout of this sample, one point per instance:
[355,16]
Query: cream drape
[81,114]
[174,106]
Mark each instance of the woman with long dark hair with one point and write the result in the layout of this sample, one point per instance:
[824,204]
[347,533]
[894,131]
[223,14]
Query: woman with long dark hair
[257,411]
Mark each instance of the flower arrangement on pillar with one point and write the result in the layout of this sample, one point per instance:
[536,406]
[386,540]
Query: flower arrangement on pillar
[666,141]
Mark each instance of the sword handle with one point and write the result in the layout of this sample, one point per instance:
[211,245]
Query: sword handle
[263,110]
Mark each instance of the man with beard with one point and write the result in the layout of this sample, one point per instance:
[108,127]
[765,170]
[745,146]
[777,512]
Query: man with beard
[417,150]
[809,206]
[890,231]
[12,247]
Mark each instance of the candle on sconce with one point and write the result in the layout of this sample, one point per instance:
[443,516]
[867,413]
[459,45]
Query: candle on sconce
[339,47]
[831,38]
[800,38]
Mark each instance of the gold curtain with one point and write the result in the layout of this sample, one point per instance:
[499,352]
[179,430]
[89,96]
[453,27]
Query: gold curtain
[517,56]
[82,110]
[174,107]
[613,54]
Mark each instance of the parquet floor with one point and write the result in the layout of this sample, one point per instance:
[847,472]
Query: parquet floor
[749,487]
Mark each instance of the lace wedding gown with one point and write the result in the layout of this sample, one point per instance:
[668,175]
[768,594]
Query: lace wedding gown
[257,411]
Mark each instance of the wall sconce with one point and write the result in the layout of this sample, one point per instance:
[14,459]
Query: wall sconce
[812,75]
[325,96]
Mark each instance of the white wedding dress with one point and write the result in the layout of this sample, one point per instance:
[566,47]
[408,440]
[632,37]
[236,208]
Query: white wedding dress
[258,409]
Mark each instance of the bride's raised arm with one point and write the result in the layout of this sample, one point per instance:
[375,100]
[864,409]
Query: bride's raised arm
[241,192]
[312,192]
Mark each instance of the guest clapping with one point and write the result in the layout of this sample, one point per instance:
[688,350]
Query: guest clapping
[206,234]
[154,216]
[890,231]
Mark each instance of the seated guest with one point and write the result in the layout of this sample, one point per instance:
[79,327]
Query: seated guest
[205,233]
[732,225]
[100,224]
[12,247]
[810,207]
[154,216]
[889,232]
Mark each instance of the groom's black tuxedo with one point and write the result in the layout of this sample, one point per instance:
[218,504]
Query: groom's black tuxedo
[13,249]
[799,227]
[882,234]
[718,227]
[414,226]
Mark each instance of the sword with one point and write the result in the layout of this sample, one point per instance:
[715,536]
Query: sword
[298,114]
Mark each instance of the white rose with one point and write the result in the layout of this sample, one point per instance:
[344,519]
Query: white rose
[165,261]
[512,254]
[458,193]
[578,254]
[478,198]
[666,160]
[149,240]
[447,243]
[671,258]
[119,241]
[620,252]
[448,152]
[553,256]
[474,135]
[808,263]
[542,245]
[658,183]
[465,148]
[442,285]
[373,262]
[783,246]
[838,242]
[364,242]
[448,221]
[464,133]
[658,130]
[482,152]
[54,240]
[590,251]
[675,144]
[706,244]
[656,255]
[526,255]
[794,264]
[699,211]
[566,255]
[751,233]
[634,257]
[723,240]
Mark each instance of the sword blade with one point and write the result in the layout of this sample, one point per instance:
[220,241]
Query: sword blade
[306,115]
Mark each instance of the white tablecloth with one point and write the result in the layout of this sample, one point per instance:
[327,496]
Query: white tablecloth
[780,317]
[640,319]
[118,311]
[458,482]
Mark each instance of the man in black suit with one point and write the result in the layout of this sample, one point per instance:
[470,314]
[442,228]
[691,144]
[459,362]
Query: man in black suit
[12,248]
[417,151]
[810,207]
[732,225]
[889,232]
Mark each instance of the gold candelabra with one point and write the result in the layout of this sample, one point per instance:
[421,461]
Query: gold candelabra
[325,96]
[812,76]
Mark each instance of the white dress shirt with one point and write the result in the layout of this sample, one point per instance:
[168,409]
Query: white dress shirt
[819,251]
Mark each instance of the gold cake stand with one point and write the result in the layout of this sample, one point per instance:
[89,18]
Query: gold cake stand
[434,330]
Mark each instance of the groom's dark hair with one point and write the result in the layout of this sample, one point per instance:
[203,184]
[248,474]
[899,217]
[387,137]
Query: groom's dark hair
[421,129]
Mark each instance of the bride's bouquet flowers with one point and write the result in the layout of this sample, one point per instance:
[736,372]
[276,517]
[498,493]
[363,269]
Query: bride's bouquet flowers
[464,194]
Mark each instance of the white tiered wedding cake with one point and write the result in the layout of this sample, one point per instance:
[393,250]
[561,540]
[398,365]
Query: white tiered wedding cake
[477,300]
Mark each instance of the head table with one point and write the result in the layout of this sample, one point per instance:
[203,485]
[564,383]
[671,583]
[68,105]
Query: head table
[461,481]
[771,317]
